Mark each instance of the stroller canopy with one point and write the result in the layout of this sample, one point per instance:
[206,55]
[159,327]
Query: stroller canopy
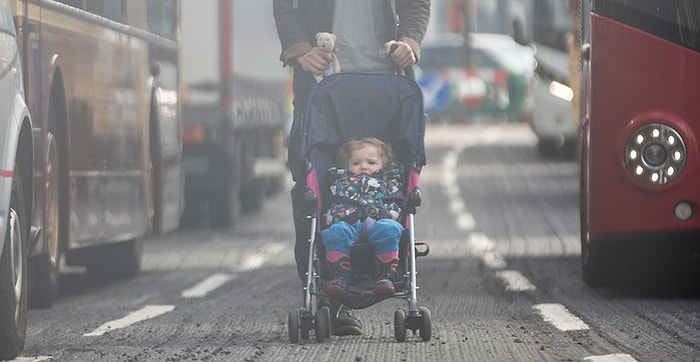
[346,106]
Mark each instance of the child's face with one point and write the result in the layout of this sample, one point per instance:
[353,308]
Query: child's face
[365,161]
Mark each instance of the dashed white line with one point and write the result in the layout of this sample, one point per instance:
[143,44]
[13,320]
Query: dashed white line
[465,221]
[560,317]
[207,285]
[494,260]
[617,357]
[147,312]
[515,281]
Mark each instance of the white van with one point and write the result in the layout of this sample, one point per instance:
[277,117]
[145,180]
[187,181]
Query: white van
[15,191]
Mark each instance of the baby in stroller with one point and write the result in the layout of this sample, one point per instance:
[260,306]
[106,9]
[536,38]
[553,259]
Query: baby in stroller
[365,196]
[363,215]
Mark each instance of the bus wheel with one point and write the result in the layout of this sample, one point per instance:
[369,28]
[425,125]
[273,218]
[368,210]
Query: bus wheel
[13,275]
[593,266]
[45,266]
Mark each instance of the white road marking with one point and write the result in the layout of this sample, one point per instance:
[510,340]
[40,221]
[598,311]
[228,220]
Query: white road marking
[480,243]
[255,260]
[515,281]
[31,359]
[465,221]
[557,315]
[207,285]
[494,260]
[618,357]
[147,312]
[457,206]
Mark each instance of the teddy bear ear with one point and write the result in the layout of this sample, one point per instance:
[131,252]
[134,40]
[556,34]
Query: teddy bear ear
[318,35]
[333,36]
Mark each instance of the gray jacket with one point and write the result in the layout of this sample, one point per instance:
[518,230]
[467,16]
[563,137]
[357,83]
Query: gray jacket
[298,21]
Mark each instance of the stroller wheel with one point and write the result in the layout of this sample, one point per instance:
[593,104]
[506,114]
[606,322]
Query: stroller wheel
[425,326]
[400,325]
[293,325]
[305,323]
[323,324]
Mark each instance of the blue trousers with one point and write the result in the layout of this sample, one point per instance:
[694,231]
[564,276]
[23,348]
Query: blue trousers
[384,234]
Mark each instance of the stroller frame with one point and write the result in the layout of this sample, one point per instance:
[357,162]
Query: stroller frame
[406,98]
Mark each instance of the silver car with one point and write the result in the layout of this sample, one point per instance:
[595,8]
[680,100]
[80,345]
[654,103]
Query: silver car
[15,191]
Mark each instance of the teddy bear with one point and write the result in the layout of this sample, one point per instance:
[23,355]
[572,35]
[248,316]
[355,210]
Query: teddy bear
[326,42]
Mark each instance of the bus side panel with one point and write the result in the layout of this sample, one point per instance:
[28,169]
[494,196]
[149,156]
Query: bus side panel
[633,73]
[106,76]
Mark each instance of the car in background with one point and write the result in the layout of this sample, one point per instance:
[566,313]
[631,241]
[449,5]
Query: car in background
[489,77]
[16,179]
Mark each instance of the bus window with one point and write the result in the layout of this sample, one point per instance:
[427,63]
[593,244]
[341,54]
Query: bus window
[161,18]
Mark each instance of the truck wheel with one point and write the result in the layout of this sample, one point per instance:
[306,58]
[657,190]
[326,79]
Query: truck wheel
[224,209]
[13,275]
[253,195]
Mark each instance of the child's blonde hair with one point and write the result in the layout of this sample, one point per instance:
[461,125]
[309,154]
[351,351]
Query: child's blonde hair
[349,147]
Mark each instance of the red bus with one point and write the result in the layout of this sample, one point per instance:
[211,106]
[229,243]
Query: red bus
[101,81]
[640,119]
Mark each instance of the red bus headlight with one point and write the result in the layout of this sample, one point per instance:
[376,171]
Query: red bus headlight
[655,154]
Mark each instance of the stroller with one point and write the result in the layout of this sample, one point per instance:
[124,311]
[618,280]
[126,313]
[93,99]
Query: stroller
[342,107]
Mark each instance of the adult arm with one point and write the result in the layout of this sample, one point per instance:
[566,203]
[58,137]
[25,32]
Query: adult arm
[289,19]
[414,16]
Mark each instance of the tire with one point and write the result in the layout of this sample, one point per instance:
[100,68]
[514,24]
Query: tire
[14,283]
[323,324]
[293,327]
[253,195]
[592,265]
[426,325]
[194,215]
[118,260]
[224,209]
[45,266]
[400,325]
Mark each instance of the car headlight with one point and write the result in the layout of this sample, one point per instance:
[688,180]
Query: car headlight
[655,154]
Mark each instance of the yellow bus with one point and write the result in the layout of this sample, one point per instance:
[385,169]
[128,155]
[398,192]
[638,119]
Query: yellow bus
[101,80]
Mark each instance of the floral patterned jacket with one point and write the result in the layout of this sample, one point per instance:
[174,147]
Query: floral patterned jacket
[351,195]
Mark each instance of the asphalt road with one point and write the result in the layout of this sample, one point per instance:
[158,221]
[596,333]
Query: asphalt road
[503,281]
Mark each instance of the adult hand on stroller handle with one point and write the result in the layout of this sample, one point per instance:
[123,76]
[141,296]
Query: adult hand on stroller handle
[401,53]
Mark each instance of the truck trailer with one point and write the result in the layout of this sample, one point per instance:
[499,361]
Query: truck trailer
[235,109]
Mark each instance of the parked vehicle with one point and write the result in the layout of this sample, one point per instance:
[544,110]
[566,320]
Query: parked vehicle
[16,154]
[101,85]
[547,25]
[485,73]
[235,109]
[487,77]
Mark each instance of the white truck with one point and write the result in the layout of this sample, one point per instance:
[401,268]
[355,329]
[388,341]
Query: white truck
[235,108]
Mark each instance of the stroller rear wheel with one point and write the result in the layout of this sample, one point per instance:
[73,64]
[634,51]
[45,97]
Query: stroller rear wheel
[400,325]
[426,325]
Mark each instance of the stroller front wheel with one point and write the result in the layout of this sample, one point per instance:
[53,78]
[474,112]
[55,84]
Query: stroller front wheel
[426,325]
[400,325]
[323,324]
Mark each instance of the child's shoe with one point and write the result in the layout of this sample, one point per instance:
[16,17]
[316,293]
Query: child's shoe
[340,274]
[384,275]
